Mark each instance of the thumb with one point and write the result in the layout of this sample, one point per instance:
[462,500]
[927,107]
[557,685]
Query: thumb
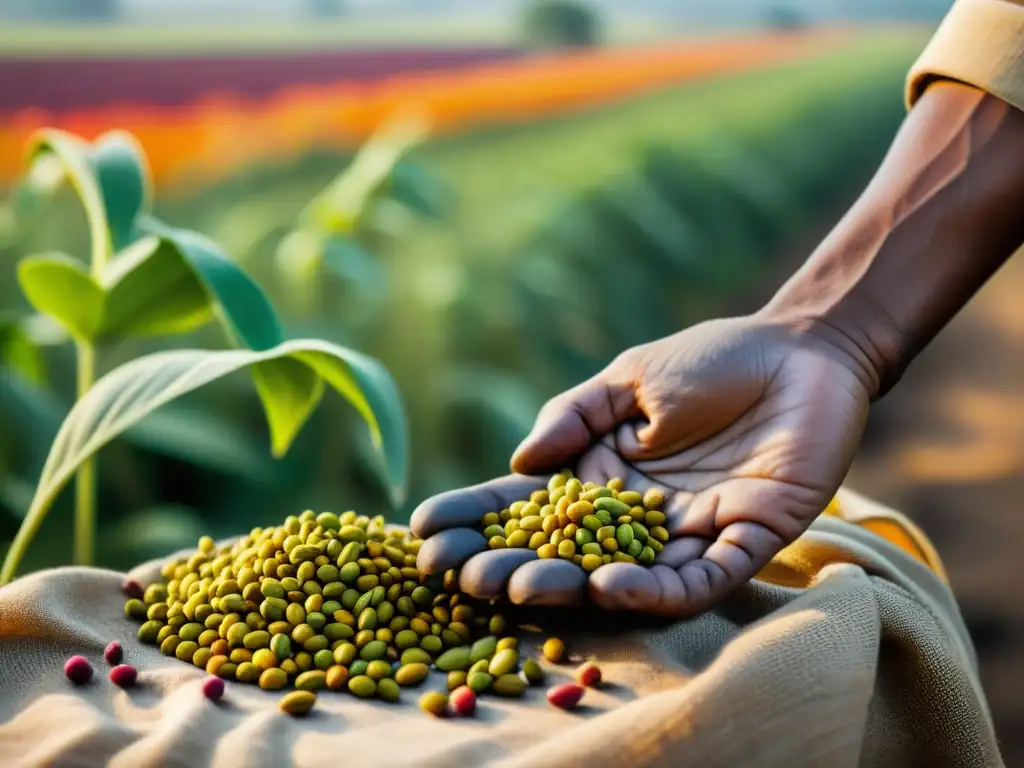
[573,421]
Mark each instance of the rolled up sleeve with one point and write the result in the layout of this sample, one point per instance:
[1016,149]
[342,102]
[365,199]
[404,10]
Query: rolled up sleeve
[980,43]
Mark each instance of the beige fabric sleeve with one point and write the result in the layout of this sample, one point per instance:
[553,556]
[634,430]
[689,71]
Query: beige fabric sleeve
[981,43]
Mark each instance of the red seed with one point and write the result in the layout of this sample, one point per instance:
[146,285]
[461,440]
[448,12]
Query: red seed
[78,670]
[462,701]
[589,674]
[566,695]
[132,588]
[113,653]
[123,675]
[213,688]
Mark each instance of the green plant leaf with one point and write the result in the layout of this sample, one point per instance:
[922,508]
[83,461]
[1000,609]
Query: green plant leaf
[241,304]
[151,290]
[19,352]
[203,439]
[59,286]
[73,154]
[129,393]
[122,175]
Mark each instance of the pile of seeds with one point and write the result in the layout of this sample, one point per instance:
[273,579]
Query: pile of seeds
[590,524]
[326,602]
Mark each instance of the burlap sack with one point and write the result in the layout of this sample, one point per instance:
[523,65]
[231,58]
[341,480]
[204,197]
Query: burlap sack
[849,650]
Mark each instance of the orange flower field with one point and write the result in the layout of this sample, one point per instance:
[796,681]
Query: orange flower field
[218,134]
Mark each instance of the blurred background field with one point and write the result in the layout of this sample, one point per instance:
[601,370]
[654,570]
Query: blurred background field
[577,185]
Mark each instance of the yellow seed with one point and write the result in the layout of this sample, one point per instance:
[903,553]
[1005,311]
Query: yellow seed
[531,523]
[547,551]
[496,542]
[550,524]
[491,518]
[654,518]
[630,498]
[659,533]
[654,498]
[566,549]
[610,544]
[538,539]
[557,537]
[553,650]
[591,562]
[570,530]
[579,510]
[517,538]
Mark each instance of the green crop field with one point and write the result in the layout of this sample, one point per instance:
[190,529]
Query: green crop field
[563,242]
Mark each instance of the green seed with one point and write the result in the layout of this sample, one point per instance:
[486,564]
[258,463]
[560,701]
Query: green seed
[454,658]
[478,666]
[415,656]
[303,553]
[362,686]
[407,639]
[135,609]
[640,532]
[483,648]
[508,685]
[503,663]
[323,659]
[257,639]
[635,547]
[247,672]
[345,654]
[479,681]
[375,649]
[456,679]
[496,626]
[584,536]
[273,679]
[533,672]
[337,631]
[349,572]
[646,556]
[592,549]
[388,690]
[313,680]
[148,632]
[592,523]
[431,644]
[378,670]
[358,667]
[184,650]
[422,596]
[614,507]
[232,604]
[412,674]
[297,702]
[169,644]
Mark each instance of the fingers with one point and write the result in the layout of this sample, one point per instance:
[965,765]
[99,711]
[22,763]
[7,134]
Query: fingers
[466,506]
[569,423]
[548,582]
[448,549]
[485,575]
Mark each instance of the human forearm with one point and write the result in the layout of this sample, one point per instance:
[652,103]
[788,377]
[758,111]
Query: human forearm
[944,211]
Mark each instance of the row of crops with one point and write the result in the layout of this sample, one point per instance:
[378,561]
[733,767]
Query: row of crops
[493,268]
[223,131]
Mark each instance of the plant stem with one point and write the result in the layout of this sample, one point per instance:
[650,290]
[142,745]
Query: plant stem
[85,479]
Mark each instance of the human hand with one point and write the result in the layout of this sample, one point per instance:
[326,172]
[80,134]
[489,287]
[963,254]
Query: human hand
[748,427]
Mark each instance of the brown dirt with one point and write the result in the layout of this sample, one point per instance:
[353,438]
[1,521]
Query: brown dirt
[947,447]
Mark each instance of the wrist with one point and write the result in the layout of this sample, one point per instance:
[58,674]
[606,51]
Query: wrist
[857,333]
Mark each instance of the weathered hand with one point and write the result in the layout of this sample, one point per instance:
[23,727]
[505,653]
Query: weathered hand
[747,426]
